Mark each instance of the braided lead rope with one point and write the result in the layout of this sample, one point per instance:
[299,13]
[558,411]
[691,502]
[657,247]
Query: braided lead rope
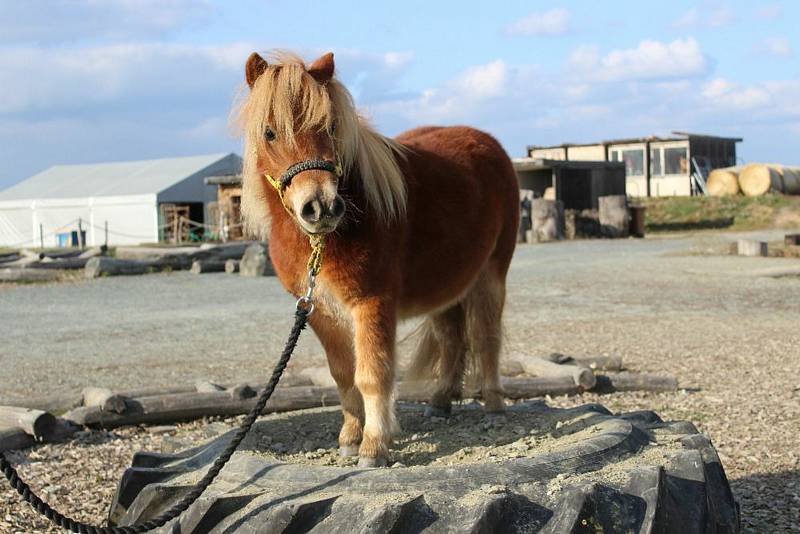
[301,319]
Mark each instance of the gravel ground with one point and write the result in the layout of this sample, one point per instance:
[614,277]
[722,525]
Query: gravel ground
[726,326]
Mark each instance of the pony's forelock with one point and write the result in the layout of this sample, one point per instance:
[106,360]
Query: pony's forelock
[288,100]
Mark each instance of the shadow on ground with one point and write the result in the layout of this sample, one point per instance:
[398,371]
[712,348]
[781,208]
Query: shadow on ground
[778,513]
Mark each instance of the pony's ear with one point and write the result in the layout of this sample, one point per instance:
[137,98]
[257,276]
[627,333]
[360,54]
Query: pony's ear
[322,68]
[255,67]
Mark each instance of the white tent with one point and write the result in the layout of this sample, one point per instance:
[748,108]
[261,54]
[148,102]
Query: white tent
[123,197]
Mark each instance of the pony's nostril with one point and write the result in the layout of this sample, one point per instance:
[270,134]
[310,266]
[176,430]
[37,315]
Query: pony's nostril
[337,208]
[311,211]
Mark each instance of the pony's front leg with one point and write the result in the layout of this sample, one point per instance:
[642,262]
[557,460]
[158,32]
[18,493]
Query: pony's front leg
[374,323]
[337,340]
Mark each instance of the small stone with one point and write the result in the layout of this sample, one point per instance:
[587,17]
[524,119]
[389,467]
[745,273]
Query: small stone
[162,429]
[398,464]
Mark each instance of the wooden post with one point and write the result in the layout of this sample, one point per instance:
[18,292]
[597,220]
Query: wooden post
[41,235]
[80,233]
[105,228]
[180,229]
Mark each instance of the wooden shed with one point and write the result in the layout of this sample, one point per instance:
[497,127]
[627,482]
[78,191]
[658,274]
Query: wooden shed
[577,184]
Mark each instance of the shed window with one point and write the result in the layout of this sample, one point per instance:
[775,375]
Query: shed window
[634,162]
[655,162]
[676,160]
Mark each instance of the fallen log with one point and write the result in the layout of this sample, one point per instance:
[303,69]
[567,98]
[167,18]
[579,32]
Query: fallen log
[635,382]
[580,374]
[189,406]
[27,275]
[165,409]
[208,266]
[104,266]
[54,404]
[596,363]
[39,424]
[11,256]
[65,263]
[59,254]
[13,438]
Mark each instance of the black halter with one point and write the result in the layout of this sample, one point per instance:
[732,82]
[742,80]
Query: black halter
[307,165]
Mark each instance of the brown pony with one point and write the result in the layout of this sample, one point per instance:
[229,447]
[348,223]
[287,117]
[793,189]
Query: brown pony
[425,224]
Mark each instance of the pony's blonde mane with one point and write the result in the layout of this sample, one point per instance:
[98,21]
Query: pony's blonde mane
[290,101]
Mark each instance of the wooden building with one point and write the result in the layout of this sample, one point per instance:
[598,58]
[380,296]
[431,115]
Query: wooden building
[577,184]
[225,215]
[654,166]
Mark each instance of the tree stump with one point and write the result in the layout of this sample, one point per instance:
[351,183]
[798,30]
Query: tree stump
[615,217]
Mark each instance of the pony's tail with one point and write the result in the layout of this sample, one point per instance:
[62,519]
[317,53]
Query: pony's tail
[426,357]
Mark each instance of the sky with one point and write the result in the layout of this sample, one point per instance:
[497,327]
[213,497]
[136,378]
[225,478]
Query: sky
[108,80]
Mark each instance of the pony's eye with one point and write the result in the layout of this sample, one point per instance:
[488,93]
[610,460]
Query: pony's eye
[269,135]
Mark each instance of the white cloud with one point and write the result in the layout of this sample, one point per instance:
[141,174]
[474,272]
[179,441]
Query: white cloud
[775,46]
[715,17]
[54,21]
[649,60]
[552,22]
[689,19]
[769,12]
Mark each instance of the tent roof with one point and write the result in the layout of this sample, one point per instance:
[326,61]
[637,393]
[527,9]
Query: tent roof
[109,179]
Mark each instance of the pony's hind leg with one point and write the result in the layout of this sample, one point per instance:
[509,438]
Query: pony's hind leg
[337,340]
[449,342]
[484,309]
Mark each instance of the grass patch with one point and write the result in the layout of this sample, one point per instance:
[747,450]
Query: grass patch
[670,214]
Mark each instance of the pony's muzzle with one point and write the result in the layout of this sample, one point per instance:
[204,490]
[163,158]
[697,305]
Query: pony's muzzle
[321,215]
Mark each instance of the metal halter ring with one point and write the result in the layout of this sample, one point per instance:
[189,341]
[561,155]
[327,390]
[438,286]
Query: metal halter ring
[305,302]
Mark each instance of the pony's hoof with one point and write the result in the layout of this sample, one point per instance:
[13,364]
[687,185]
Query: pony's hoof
[435,411]
[348,451]
[367,462]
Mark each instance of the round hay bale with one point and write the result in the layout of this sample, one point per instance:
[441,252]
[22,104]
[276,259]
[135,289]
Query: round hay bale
[536,469]
[757,179]
[723,182]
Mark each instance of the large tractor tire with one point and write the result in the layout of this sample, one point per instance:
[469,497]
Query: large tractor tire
[603,473]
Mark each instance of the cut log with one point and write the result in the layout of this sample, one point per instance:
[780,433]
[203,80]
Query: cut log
[635,382]
[102,266]
[14,438]
[63,263]
[614,215]
[580,374]
[39,424]
[208,266]
[748,247]
[256,262]
[723,182]
[596,363]
[105,399]
[758,179]
[188,406]
[232,266]
[28,275]
[547,219]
